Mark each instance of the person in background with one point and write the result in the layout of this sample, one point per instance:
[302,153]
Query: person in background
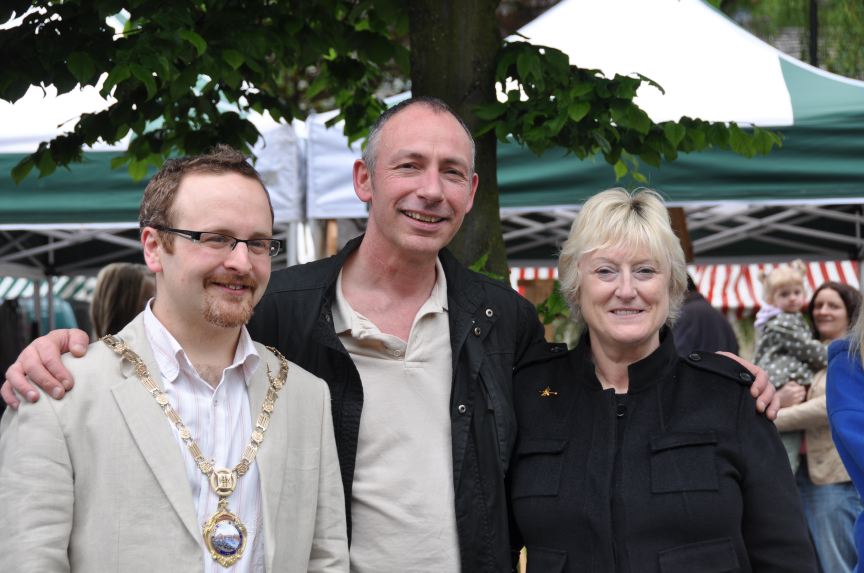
[700,326]
[785,346]
[830,501]
[122,290]
[630,458]
[845,400]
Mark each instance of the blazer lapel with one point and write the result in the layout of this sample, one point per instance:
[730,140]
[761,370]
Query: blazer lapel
[151,429]
[271,455]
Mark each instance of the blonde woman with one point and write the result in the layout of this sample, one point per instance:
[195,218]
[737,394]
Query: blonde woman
[630,458]
[845,396]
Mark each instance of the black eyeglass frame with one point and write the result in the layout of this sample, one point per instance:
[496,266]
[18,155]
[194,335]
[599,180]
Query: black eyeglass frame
[195,236]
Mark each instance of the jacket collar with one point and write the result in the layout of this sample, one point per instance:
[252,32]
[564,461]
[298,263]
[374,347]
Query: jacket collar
[644,374]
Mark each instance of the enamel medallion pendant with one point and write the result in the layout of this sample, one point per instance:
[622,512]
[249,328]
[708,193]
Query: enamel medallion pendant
[225,537]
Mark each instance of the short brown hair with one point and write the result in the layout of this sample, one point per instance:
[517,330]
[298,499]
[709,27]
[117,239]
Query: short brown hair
[121,291]
[162,189]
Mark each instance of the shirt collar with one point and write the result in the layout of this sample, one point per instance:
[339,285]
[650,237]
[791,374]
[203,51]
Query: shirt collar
[346,319]
[169,354]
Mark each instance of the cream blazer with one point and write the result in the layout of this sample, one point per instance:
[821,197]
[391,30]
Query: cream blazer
[823,461]
[96,482]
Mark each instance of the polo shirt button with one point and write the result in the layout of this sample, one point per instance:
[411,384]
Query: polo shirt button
[477,331]
[489,312]
[462,408]
[695,357]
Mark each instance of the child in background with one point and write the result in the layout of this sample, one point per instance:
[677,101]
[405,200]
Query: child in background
[786,349]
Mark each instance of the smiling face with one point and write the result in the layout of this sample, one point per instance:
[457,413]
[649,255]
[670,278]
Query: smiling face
[624,300]
[202,286]
[830,315]
[789,298]
[422,186]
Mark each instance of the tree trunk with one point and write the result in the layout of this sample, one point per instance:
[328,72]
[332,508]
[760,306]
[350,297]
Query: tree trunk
[454,44]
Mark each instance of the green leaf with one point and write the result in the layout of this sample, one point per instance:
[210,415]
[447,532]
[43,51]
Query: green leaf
[119,161]
[45,163]
[490,111]
[639,120]
[120,73]
[581,89]
[578,109]
[195,39]
[233,58]
[602,142]
[620,170]
[138,169]
[527,64]
[145,77]
[317,85]
[674,132]
[22,169]
[81,66]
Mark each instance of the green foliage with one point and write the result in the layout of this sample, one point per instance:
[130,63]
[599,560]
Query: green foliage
[480,266]
[551,103]
[184,75]
[840,31]
[555,306]
[554,311]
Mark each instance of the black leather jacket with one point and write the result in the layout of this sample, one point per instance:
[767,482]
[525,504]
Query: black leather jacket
[491,329]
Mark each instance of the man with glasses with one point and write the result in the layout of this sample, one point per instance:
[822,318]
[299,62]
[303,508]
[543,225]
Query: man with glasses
[187,447]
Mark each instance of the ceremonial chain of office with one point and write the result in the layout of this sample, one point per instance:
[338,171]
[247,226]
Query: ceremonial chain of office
[224,533]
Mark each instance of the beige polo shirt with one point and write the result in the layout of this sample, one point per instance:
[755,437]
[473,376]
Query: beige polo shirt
[402,508]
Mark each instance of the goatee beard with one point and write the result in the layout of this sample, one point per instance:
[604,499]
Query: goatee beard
[219,313]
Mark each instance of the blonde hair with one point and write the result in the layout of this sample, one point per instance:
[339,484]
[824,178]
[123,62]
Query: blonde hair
[784,275]
[121,291]
[619,218]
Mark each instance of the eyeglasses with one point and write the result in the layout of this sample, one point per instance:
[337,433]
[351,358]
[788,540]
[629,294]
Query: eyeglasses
[219,242]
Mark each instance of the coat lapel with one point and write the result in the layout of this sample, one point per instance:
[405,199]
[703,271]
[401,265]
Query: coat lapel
[151,429]
[270,470]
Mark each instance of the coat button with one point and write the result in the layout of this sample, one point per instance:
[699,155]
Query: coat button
[477,331]
[695,357]
[489,312]
[745,376]
[462,408]
[556,349]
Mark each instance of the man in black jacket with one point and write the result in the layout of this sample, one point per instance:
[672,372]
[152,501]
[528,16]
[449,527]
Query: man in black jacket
[366,320]
[417,350]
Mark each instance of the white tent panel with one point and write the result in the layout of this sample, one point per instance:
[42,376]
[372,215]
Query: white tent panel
[709,67]
[330,188]
[279,162]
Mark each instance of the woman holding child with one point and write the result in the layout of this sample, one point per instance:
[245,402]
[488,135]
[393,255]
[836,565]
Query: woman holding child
[630,458]
[830,501]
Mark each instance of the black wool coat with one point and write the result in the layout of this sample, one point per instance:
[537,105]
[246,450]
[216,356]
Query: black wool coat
[681,474]
[492,329]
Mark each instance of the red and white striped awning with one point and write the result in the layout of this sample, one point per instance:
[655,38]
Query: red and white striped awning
[732,289]
[736,289]
[531,274]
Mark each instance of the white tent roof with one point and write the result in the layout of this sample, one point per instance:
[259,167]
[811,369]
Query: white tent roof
[708,67]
